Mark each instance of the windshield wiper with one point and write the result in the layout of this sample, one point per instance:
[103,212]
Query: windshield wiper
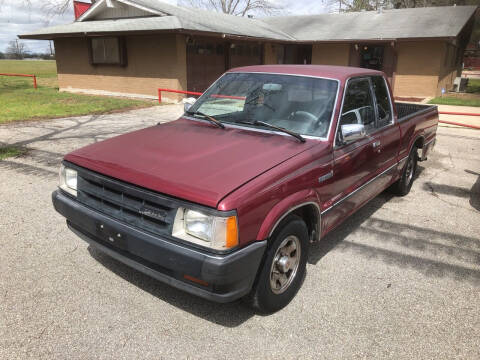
[278,128]
[208,117]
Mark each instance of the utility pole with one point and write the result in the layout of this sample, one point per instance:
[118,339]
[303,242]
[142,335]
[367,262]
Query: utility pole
[18,50]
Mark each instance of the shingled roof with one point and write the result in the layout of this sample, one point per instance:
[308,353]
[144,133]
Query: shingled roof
[435,22]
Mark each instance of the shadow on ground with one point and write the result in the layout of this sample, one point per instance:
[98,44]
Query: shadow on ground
[229,315]
[428,245]
[475,191]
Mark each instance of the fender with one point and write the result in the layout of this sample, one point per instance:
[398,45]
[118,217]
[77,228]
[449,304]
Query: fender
[284,207]
[419,135]
[402,161]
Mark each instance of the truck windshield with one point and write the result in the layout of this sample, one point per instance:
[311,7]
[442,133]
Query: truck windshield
[300,104]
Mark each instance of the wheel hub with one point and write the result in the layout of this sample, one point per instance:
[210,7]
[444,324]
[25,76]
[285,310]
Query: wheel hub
[285,264]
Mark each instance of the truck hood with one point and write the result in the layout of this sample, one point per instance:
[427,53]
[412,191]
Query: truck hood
[191,160]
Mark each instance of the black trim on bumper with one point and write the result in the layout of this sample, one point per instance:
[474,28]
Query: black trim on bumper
[229,276]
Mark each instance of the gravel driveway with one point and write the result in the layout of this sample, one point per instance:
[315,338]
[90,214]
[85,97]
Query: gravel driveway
[400,279]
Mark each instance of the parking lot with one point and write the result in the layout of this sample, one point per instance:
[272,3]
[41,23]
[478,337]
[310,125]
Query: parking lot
[400,279]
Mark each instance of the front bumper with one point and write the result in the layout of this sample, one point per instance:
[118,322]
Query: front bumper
[224,278]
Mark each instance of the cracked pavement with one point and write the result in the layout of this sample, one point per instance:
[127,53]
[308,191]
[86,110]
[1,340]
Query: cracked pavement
[400,279]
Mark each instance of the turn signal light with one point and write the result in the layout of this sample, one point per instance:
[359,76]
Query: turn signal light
[232,232]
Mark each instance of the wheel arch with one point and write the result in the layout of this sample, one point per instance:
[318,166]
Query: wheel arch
[418,142]
[306,207]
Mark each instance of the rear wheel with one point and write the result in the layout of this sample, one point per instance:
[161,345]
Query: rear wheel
[284,267]
[404,184]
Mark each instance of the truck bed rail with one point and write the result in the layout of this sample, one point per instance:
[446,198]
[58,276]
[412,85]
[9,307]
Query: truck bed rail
[407,110]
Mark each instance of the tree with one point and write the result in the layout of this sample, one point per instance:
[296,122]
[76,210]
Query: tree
[235,7]
[16,50]
[359,5]
[49,8]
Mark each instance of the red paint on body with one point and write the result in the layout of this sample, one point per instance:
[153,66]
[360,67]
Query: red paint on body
[261,175]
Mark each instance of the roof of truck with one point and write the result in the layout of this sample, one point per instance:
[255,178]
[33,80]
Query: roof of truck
[325,71]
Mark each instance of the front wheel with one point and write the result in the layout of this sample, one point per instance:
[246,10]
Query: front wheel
[404,184]
[284,267]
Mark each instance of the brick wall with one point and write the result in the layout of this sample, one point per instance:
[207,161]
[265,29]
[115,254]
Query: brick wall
[153,61]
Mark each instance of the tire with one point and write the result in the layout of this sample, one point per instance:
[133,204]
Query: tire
[283,268]
[404,184]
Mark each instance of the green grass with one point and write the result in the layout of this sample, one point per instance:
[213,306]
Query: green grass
[453,100]
[473,86]
[20,101]
[9,151]
[44,68]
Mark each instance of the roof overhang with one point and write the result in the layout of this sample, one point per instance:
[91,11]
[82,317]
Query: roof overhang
[294,29]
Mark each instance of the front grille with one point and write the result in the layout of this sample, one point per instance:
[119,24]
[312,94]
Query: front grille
[127,203]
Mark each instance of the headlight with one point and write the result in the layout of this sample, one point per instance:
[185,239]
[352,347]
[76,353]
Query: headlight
[68,180]
[219,233]
[198,224]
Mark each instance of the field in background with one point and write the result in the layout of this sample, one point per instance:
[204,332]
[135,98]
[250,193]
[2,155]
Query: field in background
[20,101]
[471,98]
[46,70]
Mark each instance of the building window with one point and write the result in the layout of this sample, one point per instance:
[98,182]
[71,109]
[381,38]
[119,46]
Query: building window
[107,50]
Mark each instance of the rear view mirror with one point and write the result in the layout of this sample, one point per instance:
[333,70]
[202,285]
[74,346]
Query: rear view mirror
[352,132]
[272,87]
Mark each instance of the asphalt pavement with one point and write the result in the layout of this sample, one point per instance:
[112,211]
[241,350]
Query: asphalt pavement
[400,279]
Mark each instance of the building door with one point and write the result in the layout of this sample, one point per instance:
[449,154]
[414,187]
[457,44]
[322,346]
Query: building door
[244,54]
[205,63]
[294,54]
[375,57]
[371,56]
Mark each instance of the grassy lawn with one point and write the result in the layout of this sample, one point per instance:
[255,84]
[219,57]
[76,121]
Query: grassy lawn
[456,100]
[9,151]
[473,86]
[19,101]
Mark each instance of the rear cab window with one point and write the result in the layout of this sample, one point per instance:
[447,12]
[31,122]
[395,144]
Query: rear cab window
[383,104]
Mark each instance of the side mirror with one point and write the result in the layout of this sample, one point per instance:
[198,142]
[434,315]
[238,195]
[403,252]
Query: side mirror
[187,103]
[352,132]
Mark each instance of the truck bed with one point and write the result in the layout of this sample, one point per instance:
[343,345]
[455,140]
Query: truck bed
[407,110]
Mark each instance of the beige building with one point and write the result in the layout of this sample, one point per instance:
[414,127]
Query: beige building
[134,47]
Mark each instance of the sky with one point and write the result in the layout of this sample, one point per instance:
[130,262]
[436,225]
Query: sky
[17,18]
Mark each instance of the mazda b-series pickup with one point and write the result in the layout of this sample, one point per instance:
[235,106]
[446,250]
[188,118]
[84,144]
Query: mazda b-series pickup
[223,202]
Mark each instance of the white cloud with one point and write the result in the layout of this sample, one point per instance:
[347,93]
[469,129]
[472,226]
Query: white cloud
[18,18]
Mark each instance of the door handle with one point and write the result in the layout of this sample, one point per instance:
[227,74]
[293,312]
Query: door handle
[376,144]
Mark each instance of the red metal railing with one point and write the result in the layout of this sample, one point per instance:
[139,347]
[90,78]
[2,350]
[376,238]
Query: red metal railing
[177,92]
[24,75]
[459,124]
[197,94]
[457,113]
[456,123]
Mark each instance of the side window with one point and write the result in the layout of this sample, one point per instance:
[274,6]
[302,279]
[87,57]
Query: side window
[358,105]
[107,50]
[383,101]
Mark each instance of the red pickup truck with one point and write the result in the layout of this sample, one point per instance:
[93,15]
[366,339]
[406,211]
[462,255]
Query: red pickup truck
[224,201]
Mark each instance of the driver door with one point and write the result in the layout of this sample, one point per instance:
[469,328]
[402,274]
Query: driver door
[354,163]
